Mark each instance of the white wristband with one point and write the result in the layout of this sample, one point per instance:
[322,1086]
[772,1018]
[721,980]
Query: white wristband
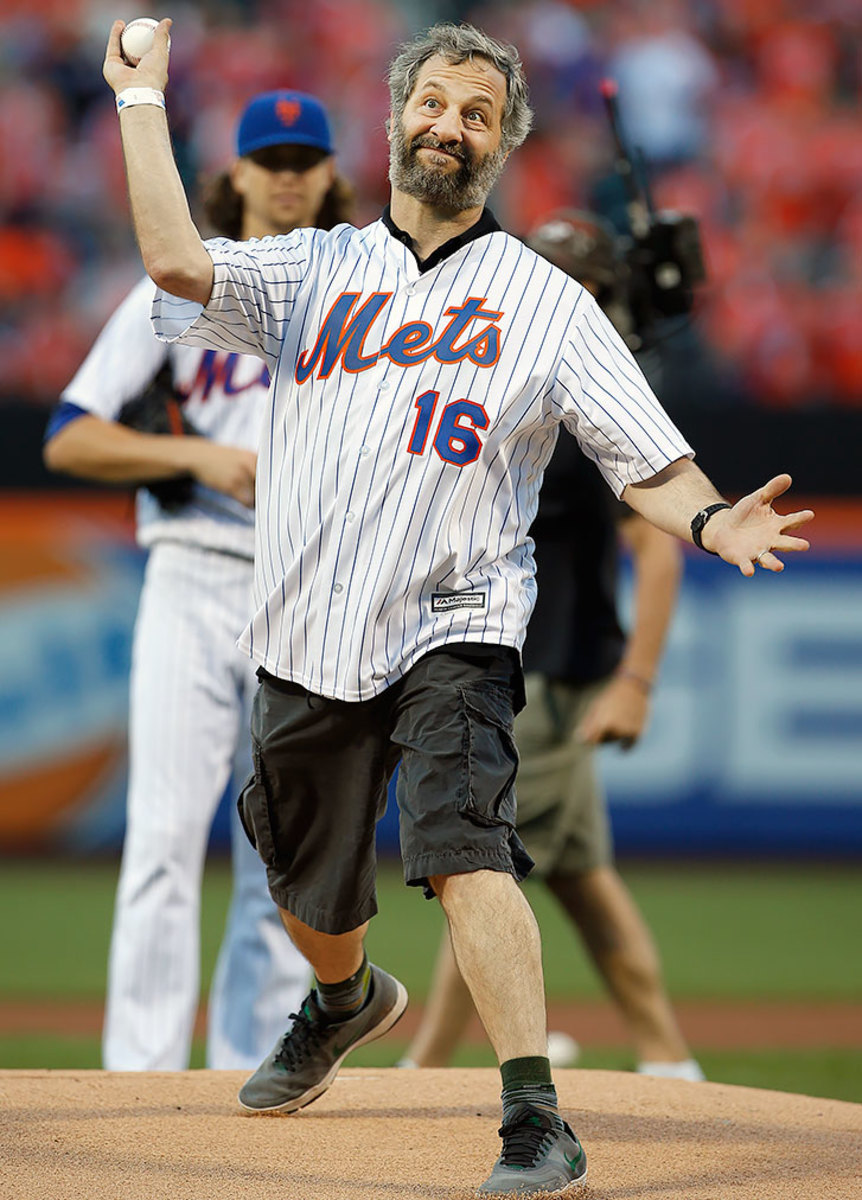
[139,95]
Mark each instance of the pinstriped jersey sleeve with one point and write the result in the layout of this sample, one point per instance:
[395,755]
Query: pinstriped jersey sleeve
[604,399]
[255,285]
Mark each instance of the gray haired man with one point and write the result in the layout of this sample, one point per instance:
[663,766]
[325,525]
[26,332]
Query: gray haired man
[422,366]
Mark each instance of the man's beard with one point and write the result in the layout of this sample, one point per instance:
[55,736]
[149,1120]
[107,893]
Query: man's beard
[454,191]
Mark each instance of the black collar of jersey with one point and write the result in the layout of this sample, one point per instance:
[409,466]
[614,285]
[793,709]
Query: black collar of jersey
[487,223]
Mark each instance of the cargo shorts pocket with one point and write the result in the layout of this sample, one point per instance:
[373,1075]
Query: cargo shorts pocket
[255,809]
[490,757]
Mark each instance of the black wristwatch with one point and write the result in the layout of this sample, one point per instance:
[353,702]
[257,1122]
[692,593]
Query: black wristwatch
[700,519]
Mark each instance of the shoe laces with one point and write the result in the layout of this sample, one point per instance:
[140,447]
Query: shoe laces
[527,1136]
[303,1037]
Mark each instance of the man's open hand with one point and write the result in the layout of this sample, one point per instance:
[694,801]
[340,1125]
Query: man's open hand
[750,533]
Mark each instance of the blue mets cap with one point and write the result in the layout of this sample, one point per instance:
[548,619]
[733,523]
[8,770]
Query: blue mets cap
[283,119]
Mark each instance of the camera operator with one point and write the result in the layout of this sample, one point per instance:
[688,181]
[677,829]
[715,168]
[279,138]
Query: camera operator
[586,683]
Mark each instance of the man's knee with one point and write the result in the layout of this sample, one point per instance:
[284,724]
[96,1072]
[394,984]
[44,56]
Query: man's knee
[451,888]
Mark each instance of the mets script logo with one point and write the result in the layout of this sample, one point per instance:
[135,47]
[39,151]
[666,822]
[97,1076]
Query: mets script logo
[471,333]
[288,111]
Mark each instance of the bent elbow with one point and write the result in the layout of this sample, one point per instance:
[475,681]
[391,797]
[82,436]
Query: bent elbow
[189,282]
[49,456]
[55,454]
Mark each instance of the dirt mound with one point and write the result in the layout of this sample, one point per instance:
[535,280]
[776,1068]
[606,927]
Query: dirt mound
[409,1135]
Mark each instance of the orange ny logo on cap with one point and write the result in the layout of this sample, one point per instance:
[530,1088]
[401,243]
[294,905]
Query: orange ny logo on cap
[288,111]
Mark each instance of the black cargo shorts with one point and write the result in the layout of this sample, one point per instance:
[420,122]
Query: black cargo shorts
[322,767]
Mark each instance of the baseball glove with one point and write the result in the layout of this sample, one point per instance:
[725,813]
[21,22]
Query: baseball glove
[157,409]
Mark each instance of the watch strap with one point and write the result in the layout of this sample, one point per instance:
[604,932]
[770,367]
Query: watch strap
[699,521]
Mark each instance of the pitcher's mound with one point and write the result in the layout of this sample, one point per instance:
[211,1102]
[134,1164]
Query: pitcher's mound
[409,1135]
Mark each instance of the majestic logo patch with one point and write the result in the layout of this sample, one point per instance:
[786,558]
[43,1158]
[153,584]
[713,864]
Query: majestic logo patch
[447,601]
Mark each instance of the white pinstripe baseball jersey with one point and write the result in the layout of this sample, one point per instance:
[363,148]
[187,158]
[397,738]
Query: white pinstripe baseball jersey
[225,394]
[411,417]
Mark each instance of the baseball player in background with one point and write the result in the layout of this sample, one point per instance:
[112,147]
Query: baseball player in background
[191,688]
[586,683]
[422,367]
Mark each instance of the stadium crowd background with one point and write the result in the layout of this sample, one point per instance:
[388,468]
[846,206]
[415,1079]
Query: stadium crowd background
[747,112]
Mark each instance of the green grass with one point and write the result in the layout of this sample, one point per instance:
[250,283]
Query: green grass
[55,1052]
[738,933]
[734,932]
[832,1074]
[755,932]
[57,925]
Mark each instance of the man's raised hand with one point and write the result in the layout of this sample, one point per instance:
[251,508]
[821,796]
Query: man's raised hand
[151,71]
[751,532]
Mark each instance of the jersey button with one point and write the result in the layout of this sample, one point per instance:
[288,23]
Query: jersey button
[338,589]
[411,291]
[383,385]
[364,451]
[350,516]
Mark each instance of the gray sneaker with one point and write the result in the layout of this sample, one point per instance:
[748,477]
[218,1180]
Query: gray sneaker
[541,1156]
[306,1060]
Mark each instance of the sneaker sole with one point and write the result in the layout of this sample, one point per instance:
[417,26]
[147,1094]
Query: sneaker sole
[302,1101]
[568,1190]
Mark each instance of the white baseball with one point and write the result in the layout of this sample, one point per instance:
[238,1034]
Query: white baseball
[563,1050]
[137,38]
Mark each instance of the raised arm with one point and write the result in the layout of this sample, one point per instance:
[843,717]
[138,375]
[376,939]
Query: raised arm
[746,534]
[173,253]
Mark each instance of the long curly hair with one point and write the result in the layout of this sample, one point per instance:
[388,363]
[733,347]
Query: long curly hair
[222,205]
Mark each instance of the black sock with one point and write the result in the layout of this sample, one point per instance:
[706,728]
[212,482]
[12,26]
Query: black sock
[342,1000]
[527,1081]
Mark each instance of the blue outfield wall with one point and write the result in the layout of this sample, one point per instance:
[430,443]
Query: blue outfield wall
[755,743]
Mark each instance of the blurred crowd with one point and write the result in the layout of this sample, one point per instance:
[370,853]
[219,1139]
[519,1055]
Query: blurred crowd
[746,113]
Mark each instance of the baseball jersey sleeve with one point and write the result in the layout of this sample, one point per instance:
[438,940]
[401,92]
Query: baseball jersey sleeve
[255,285]
[122,360]
[604,400]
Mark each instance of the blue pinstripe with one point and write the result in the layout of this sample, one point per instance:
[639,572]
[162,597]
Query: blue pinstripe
[419,522]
